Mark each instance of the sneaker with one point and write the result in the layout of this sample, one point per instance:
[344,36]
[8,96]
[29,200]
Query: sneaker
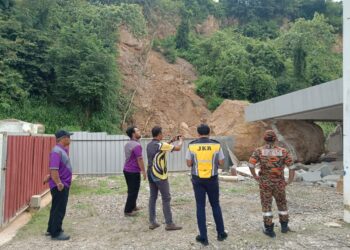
[133,213]
[172,227]
[154,226]
[222,236]
[61,236]
[201,240]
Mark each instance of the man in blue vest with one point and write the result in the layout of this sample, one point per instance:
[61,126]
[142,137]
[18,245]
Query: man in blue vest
[204,156]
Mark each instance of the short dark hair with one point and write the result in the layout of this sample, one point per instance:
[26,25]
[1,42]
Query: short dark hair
[203,129]
[156,131]
[130,131]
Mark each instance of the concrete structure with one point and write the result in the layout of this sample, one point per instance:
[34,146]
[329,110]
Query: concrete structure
[323,102]
[346,110]
[17,126]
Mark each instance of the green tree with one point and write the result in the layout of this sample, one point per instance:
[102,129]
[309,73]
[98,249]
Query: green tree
[262,85]
[182,34]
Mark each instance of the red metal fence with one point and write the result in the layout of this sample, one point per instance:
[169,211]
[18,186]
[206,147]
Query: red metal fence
[26,166]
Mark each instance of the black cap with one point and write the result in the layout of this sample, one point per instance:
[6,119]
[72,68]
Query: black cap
[62,133]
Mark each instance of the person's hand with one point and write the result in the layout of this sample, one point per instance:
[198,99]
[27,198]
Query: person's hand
[257,178]
[173,139]
[46,179]
[60,186]
[144,175]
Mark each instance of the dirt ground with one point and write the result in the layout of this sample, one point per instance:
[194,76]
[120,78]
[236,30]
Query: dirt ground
[95,219]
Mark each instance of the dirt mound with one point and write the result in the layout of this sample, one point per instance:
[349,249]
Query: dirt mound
[305,140]
[163,93]
[228,120]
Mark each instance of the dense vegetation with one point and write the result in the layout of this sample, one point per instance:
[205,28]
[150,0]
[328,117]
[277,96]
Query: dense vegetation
[58,62]
[58,57]
[273,48]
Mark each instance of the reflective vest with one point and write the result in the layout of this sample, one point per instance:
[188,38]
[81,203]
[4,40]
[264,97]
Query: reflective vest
[205,157]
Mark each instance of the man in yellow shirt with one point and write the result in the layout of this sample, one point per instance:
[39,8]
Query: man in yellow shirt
[158,177]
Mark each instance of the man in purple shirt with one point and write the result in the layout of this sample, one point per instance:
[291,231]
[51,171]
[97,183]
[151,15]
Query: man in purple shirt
[132,168]
[59,182]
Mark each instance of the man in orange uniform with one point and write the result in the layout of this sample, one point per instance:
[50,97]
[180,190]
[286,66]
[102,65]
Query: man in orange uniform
[272,160]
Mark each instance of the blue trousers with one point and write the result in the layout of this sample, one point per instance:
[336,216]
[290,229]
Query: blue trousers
[210,187]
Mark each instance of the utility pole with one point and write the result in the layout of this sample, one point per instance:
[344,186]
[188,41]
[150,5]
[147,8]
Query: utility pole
[346,107]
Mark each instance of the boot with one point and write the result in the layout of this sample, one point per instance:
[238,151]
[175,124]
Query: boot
[201,240]
[284,227]
[268,230]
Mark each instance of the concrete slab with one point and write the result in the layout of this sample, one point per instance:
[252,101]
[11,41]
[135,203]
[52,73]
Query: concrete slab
[333,178]
[323,102]
[312,176]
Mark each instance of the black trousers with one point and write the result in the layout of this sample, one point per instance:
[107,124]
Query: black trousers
[133,180]
[210,187]
[58,210]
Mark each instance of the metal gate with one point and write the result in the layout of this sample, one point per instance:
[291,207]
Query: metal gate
[27,161]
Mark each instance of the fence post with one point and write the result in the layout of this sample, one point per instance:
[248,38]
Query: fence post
[3,156]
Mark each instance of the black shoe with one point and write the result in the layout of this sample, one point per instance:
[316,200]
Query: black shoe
[222,236]
[268,230]
[284,227]
[204,242]
[49,234]
[61,236]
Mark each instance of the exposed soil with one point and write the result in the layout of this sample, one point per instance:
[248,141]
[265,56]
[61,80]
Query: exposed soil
[164,92]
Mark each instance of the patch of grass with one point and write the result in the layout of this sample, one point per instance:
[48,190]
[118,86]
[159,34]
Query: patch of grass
[179,182]
[238,188]
[327,127]
[82,206]
[116,178]
[235,190]
[89,209]
[104,186]
[181,201]
[37,225]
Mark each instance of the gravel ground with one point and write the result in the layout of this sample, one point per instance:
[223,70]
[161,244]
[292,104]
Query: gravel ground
[95,219]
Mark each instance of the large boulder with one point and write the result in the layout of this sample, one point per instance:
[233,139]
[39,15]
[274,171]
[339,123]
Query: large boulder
[305,140]
[228,120]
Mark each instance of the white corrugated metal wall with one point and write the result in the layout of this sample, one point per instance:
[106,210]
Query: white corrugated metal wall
[103,154]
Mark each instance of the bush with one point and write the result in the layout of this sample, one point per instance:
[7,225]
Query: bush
[214,102]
